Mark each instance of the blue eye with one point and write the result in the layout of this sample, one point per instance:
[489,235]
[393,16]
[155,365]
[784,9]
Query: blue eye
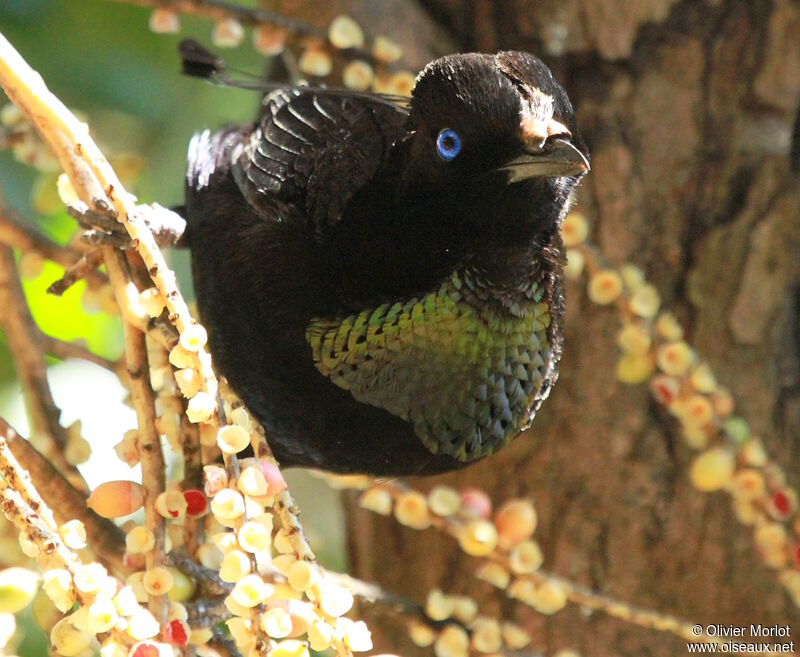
[448,144]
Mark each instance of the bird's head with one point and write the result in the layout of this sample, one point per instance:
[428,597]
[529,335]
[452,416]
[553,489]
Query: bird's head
[494,138]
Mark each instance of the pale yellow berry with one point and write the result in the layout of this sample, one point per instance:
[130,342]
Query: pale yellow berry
[695,437]
[210,556]
[269,40]
[227,33]
[464,608]
[200,635]
[771,537]
[335,600]
[753,453]
[451,642]
[746,512]
[180,357]
[225,541]
[645,301]
[575,263]
[478,538]
[401,83]
[188,381]
[702,379]
[241,630]
[251,590]
[321,635]
[8,626]
[253,537]
[439,606]
[157,581]
[495,574]
[88,578]
[302,575]
[632,276]
[748,484]
[235,565]
[201,407]
[348,482]
[73,533]
[283,562]
[290,648]
[125,601]
[344,32]
[634,339]
[139,539]
[675,358]
[315,61]
[376,500]
[171,504]
[668,327]
[240,417]
[57,583]
[514,636]
[358,75]
[421,635]
[164,21]
[712,469]
[633,368]
[486,635]
[282,543]
[134,580]
[526,557]
[193,338]
[411,510]
[549,597]
[574,229]
[102,615]
[522,589]
[152,301]
[567,652]
[516,521]
[227,504]
[444,500]
[18,587]
[276,623]
[605,287]
[237,609]
[143,625]
[385,50]
[697,411]
[68,640]
[27,546]
[232,439]
[356,634]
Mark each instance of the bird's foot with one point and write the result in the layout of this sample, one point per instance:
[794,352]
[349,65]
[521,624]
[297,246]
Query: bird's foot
[101,227]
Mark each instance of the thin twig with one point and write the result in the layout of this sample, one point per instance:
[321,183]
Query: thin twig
[49,486]
[15,232]
[84,267]
[66,350]
[23,337]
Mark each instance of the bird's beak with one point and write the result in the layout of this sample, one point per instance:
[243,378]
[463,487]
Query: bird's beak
[558,157]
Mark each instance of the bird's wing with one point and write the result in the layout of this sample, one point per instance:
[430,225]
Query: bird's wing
[313,150]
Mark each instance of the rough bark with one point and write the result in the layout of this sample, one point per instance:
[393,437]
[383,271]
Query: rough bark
[689,109]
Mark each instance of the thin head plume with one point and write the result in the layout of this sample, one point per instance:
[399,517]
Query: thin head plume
[199,62]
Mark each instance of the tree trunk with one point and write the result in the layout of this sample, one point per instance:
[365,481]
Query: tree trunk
[689,110]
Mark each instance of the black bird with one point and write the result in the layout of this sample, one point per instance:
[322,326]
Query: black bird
[382,281]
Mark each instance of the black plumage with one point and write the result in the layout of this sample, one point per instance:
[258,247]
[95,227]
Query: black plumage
[336,204]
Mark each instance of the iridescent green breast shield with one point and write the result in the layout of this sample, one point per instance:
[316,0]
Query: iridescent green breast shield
[466,376]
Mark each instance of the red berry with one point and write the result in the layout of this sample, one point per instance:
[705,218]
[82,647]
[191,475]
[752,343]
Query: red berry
[177,633]
[196,503]
[782,503]
[145,650]
[797,554]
